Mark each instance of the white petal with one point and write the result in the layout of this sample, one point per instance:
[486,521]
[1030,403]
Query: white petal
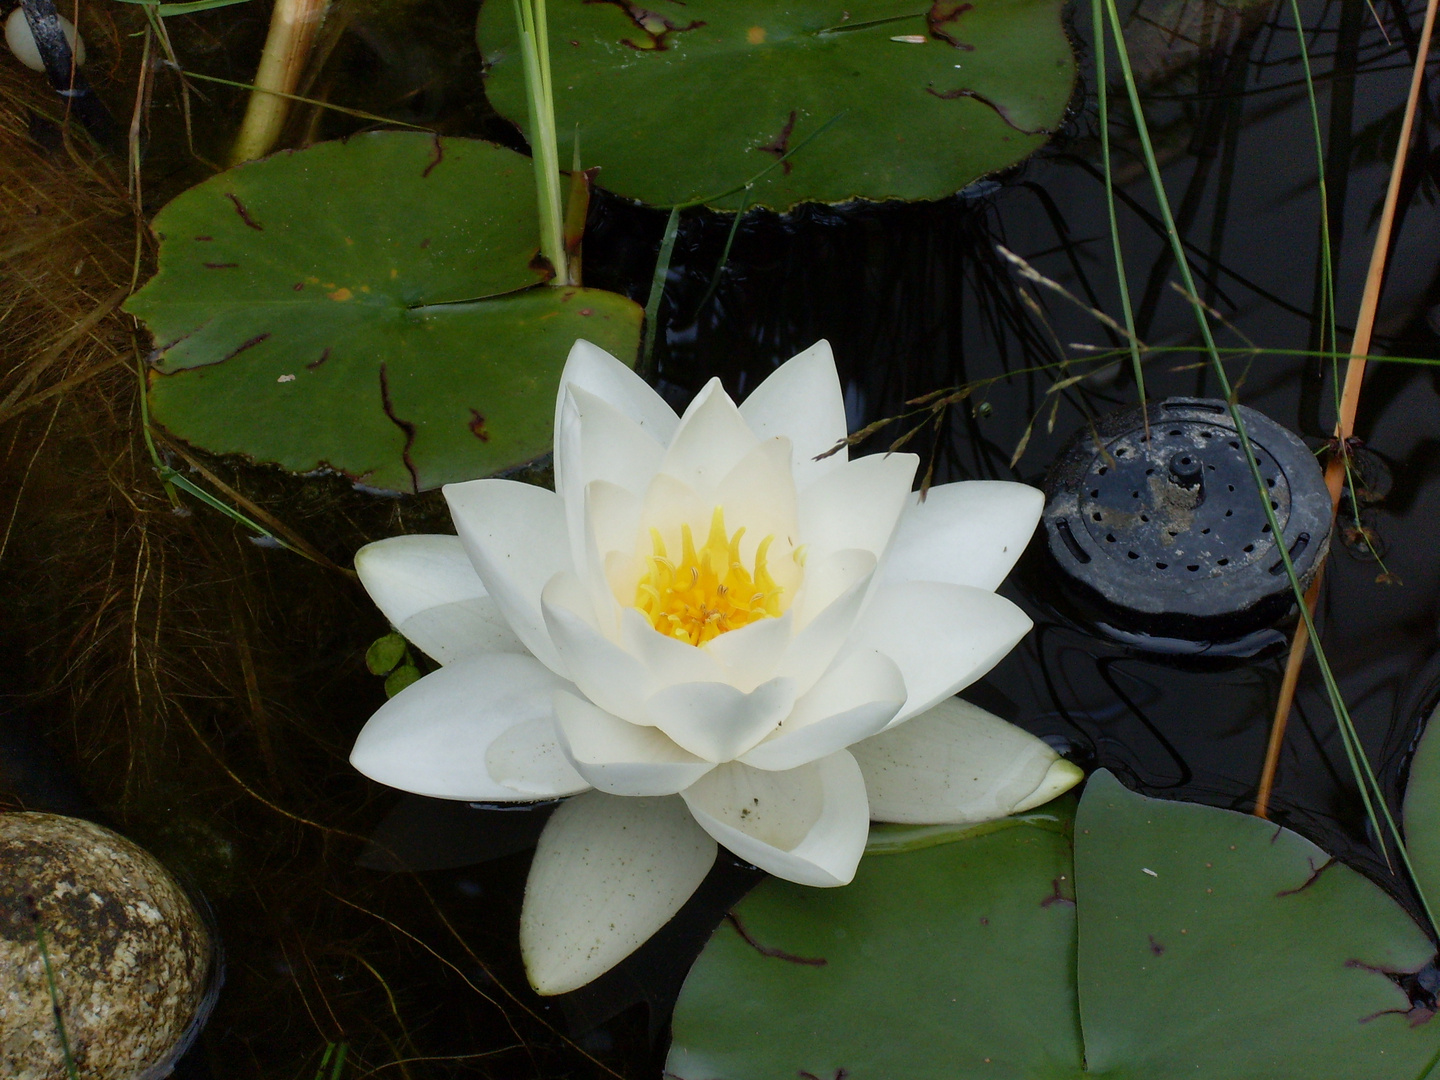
[529,759]
[670,503]
[829,577]
[428,590]
[596,442]
[750,654]
[611,527]
[855,699]
[605,673]
[711,440]
[516,538]
[608,873]
[803,399]
[943,636]
[958,764]
[622,758]
[968,533]
[715,720]
[591,368]
[666,660]
[434,737]
[807,825]
[452,632]
[759,494]
[857,505]
[814,648]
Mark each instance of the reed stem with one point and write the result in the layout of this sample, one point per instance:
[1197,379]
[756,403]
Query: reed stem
[1335,469]
[293,25]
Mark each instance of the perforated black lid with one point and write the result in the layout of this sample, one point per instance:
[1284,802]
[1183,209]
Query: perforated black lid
[1170,535]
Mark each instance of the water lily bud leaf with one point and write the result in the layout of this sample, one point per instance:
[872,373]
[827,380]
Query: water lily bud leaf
[944,963]
[1187,941]
[688,101]
[368,307]
[385,654]
[400,678]
[1422,811]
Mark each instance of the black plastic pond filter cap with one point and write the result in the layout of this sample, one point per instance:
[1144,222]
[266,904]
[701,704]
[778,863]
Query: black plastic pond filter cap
[1168,537]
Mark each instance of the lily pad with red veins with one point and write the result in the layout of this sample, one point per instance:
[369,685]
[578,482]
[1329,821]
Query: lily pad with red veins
[680,102]
[1145,940]
[372,306]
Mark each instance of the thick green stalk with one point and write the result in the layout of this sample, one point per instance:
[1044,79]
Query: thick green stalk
[535,58]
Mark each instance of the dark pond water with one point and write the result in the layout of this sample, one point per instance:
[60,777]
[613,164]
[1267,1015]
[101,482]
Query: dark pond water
[212,723]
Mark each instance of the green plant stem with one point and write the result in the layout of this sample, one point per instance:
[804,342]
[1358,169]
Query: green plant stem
[1370,791]
[70,1069]
[544,146]
[725,253]
[646,368]
[1102,92]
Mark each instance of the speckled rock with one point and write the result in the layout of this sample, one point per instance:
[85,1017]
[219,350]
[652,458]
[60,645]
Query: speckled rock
[131,956]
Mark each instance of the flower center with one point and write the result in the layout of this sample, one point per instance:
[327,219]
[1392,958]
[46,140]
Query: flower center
[708,591]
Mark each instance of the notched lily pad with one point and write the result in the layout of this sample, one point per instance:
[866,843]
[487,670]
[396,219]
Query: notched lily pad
[1186,942]
[681,102]
[1214,945]
[367,306]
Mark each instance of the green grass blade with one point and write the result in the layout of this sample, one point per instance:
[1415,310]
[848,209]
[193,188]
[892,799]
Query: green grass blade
[70,1070]
[1371,793]
[1103,94]
[646,367]
[190,7]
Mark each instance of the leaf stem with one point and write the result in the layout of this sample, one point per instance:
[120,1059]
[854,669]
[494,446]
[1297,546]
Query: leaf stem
[544,146]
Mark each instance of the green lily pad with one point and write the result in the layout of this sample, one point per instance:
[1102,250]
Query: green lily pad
[1422,811]
[1211,945]
[949,962]
[1214,945]
[678,103]
[369,307]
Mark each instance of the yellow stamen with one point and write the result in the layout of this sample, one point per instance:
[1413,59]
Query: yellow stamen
[709,591]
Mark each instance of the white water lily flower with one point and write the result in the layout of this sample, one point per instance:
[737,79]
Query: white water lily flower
[692,629]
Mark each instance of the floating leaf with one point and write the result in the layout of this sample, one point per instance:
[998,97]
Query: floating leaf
[1211,945]
[950,962]
[385,653]
[682,102]
[1214,945]
[1422,811]
[367,306]
[400,678]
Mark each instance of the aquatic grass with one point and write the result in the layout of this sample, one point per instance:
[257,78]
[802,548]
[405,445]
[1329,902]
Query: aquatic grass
[646,364]
[359,114]
[188,7]
[1102,92]
[70,1070]
[1338,474]
[1369,788]
[334,1057]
